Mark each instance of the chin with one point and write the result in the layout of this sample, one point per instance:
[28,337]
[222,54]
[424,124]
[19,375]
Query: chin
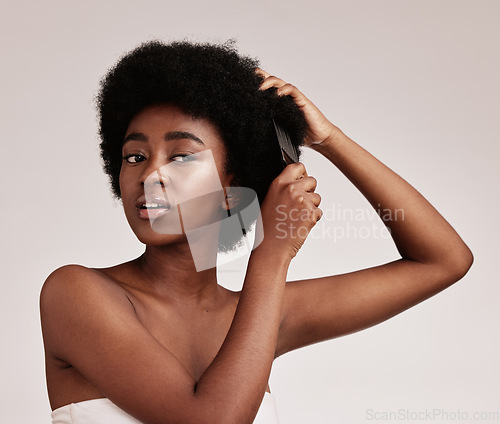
[152,238]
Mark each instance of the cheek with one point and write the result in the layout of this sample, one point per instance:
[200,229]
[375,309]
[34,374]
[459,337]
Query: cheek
[194,181]
[121,181]
[128,188]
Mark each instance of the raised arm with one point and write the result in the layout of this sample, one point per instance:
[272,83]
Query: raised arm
[88,322]
[433,254]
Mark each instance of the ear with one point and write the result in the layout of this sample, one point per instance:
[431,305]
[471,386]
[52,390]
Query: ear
[232,196]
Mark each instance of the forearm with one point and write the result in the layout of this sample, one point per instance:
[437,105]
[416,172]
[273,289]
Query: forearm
[238,376]
[419,231]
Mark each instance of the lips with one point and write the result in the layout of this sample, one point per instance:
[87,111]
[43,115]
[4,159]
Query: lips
[152,206]
[151,201]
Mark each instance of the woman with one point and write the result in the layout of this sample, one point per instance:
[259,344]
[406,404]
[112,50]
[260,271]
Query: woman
[156,339]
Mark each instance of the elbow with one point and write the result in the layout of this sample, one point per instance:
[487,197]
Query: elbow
[464,262]
[450,266]
[458,264]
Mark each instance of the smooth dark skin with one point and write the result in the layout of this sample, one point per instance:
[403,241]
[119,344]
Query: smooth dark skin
[168,344]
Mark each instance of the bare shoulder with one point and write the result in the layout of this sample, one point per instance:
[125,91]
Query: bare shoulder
[72,291]
[73,281]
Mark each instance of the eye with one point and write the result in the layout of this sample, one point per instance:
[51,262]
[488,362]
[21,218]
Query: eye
[134,158]
[184,157]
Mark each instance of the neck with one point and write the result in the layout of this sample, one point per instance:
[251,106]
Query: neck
[170,270]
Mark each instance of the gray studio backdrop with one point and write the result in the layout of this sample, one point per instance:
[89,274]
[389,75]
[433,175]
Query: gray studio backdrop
[414,82]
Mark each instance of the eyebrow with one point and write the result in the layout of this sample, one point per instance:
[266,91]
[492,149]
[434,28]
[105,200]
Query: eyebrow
[173,135]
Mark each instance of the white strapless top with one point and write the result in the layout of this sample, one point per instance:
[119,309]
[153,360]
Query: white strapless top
[103,411]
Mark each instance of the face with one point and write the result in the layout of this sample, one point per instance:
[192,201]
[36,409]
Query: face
[172,174]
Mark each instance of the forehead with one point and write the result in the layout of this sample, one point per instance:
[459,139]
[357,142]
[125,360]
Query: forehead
[157,120]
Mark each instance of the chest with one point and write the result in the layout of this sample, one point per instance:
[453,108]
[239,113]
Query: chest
[193,335]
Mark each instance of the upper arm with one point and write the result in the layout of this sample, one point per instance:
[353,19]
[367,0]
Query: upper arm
[89,323]
[320,309]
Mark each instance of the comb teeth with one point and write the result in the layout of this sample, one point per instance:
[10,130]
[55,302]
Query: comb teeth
[288,151]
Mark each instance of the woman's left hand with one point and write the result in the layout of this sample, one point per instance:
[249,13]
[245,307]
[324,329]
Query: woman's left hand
[319,128]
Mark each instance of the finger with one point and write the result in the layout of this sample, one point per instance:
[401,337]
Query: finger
[262,73]
[315,198]
[318,214]
[306,183]
[292,91]
[295,171]
[311,200]
[301,171]
[313,215]
[272,81]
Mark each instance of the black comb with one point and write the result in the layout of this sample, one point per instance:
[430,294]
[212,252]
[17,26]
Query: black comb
[289,152]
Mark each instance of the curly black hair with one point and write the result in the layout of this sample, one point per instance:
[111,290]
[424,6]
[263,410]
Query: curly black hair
[210,81]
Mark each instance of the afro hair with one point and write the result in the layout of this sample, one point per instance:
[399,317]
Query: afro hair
[209,81]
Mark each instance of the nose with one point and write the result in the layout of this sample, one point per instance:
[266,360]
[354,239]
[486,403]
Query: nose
[154,175]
